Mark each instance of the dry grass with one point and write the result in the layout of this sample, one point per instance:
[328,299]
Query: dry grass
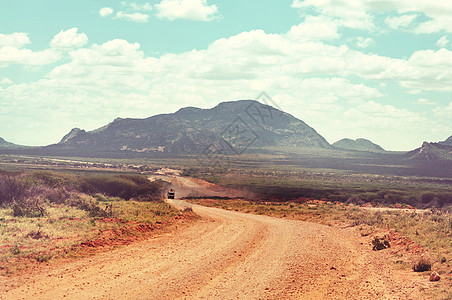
[25,239]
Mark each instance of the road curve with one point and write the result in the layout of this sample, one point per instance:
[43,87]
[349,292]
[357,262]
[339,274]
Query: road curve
[227,255]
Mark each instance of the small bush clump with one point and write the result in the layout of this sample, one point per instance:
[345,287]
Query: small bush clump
[43,257]
[15,250]
[380,244]
[422,265]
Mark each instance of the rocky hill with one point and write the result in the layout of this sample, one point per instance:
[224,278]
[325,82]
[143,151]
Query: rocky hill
[358,145]
[7,145]
[230,127]
[447,142]
[432,151]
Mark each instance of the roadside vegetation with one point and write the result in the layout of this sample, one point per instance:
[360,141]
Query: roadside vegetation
[45,215]
[359,189]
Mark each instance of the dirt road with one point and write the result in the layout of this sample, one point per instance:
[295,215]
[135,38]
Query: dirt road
[229,255]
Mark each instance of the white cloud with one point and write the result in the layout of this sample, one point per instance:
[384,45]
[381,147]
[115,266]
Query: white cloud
[12,51]
[402,21]
[443,41]
[196,10]
[105,11]
[69,39]
[137,7]
[437,24]
[349,13]
[327,86]
[16,39]
[360,13]
[425,70]
[391,127]
[314,28]
[425,101]
[11,55]
[364,42]
[136,17]
[6,81]
[444,112]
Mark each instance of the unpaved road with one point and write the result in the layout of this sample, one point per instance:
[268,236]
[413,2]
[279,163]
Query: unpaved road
[229,255]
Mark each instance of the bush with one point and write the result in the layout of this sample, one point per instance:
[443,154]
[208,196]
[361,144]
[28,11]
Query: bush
[380,244]
[43,257]
[123,186]
[93,210]
[15,250]
[427,197]
[50,179]
[37,235]
[51,194]
[11,189]
[29,207]
[422,265]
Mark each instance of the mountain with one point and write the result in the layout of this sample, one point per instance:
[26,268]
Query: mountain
[7,145]
[432,151]
[447,142]
[358,145]
[230,128]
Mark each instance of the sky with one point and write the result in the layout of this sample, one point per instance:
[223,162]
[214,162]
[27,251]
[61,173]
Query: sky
[375,69]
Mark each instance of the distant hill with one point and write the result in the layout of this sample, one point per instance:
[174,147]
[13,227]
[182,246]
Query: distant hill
[7,145]
[432,151]
[358,145]
[230,127]
[447,142]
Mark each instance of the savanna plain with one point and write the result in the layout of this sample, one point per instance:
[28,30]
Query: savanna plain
[253,228]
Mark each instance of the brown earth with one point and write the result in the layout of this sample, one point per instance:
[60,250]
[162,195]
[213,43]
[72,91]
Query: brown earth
[229,255]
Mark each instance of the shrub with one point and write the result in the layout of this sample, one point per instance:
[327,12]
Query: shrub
[37,235]
[52,194]
[15,250]
[123,186]
[50,179]
[188,209]
[29,207]
[93,210]
[422,265]
[380,244]
[11,189]
[427,197]
[43,257]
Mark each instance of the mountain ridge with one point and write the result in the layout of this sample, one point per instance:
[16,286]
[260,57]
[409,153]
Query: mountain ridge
[359,144]
[8,145]
[431,151]
[231,126]
[447,142]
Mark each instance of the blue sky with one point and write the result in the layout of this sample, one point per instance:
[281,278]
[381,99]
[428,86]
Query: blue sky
[378,69]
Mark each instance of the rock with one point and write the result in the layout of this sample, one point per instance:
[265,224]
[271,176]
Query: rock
[434,276]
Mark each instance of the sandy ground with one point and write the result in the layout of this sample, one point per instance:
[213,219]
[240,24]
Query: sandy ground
[229,255]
